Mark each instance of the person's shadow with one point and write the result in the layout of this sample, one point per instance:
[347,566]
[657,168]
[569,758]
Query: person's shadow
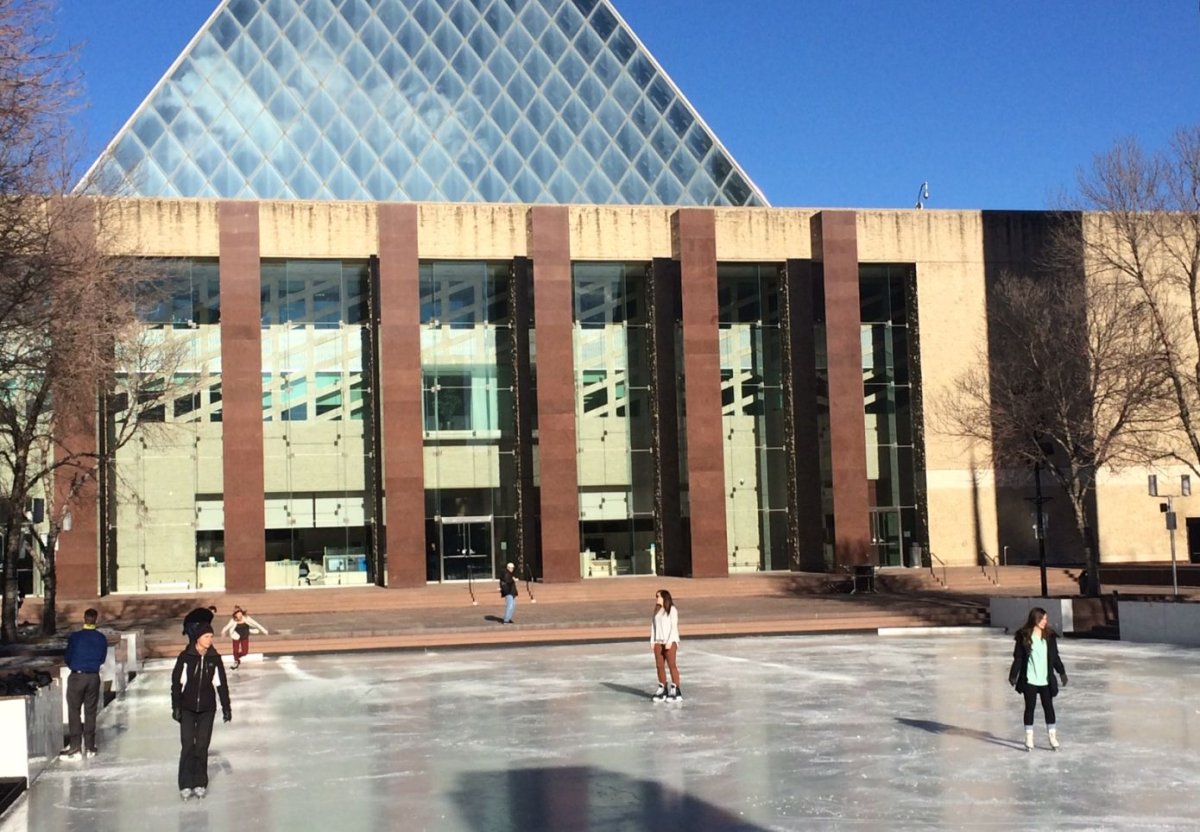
[934,727]
[495,618]
[626,689]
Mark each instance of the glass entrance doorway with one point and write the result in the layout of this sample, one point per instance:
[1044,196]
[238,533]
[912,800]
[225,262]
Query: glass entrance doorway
[885,537]
[466,547]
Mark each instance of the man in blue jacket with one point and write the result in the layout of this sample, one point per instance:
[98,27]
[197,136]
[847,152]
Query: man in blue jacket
[86,651]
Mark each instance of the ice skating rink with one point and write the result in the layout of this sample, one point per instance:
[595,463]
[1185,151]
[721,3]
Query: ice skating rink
[827,732]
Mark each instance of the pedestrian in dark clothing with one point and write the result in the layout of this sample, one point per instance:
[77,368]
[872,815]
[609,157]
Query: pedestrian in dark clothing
[196,683]
[508,591]
[193,620]
[87,650]
[1035,660]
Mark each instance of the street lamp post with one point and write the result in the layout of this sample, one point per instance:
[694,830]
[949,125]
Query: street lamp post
[1168,508]
[1040,524]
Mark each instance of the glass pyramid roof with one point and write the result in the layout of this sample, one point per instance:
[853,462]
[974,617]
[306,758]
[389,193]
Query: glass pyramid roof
[420,100]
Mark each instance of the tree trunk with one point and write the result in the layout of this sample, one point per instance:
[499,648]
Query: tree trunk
[50,585]
[1091,547]
[12,543]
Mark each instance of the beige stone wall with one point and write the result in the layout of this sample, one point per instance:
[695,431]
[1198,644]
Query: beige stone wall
[946,246]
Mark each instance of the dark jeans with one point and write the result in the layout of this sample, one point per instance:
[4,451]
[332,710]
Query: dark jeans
[195,732]
[83,691]
[1031,696]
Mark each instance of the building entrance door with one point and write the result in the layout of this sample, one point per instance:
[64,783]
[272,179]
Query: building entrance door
[885,536]
[466,546]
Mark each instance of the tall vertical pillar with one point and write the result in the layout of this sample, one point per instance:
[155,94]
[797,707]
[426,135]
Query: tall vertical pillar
[550,249]
[77,558]
[664,380]
[241,397]
[400,380]
[835,243]
[695,241]
[520,362]
[806,529]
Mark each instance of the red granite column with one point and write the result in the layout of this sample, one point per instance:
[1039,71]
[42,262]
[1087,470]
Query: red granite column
[696,246]
[836,244]
[241,397]
[400,380]
[553,315]
[77,559]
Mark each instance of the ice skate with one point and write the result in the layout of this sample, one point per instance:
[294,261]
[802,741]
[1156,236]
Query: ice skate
[1028,739]
[673,695]
[185,794]
[199,792]
[660,694]
[1053,739]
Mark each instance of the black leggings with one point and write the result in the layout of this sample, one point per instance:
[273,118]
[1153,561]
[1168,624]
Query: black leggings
[1032,692]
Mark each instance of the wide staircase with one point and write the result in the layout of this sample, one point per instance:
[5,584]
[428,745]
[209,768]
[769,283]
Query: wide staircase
[358,618]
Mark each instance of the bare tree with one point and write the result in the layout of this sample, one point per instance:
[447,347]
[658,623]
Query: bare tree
[70,342]
[1143,231]
[1073,381]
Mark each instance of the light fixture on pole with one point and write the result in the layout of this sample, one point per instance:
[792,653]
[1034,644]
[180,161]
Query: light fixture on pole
[922,195]
[1168,508]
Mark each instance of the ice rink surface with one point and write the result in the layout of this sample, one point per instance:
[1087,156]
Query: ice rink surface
[826,732]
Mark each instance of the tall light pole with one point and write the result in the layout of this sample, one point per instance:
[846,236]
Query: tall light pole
[1040,523]
[1168,508]
[1045,449]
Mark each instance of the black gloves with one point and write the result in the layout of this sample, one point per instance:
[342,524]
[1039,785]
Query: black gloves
[1064,679]
[227,715]
[177,714]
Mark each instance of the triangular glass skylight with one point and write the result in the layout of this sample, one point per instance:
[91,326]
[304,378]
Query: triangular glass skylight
[421,100]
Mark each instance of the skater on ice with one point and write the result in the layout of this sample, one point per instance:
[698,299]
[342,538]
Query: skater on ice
[1035,660]
[196,684]
[239,629]
[664,641]
[87,650]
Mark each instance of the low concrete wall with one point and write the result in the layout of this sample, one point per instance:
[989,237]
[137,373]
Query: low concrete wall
[1011,613]
[1163,622]
[31,726]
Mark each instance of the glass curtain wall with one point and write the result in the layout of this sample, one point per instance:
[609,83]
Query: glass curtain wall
[613,420]
[314,315]
[165,502]
[752,417]
[887,396]
[466,339]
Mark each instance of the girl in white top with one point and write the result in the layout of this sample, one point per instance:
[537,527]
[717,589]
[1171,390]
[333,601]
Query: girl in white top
[664,641]
[239,628]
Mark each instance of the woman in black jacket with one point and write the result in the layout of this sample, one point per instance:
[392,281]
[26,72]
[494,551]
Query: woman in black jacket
[196,682]
[1035,660]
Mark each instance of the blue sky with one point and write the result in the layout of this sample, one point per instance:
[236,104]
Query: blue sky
[840,103]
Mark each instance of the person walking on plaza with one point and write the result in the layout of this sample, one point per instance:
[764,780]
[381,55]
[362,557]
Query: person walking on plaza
[1035,660]
[86,651]
[196,683]
[508,591]
[239,628]
[664,641]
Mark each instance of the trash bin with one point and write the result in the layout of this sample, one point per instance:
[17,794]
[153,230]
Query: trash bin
[914,556]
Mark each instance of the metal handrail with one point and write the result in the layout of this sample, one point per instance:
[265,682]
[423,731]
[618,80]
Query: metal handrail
[471,584]
[529,583]
[934,561]
[995,566]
